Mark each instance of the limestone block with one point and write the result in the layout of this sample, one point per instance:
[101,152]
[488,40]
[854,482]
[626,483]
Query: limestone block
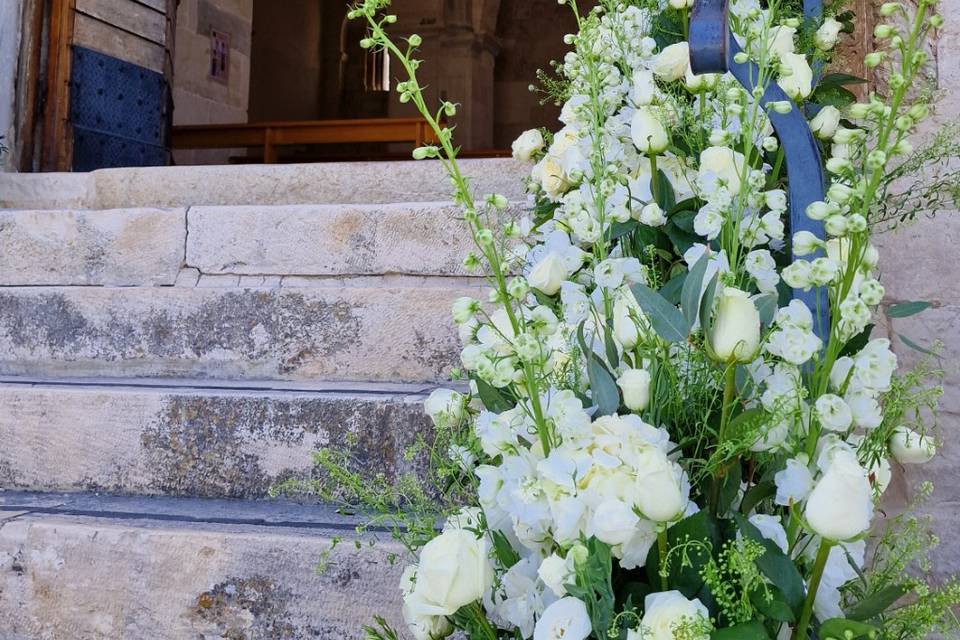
[935,324]
[325,183]
[73,247]
[915,260]
[45,190]
[391,334]
[332,240]
[64,578]
[183,441]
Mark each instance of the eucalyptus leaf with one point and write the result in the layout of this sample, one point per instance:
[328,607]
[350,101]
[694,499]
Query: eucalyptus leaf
[706,303]
[907,309]
[692,287]
[493,399]
[666,319]
[606,395]
[767,308]
[757,494]
[671,291]
[913,345]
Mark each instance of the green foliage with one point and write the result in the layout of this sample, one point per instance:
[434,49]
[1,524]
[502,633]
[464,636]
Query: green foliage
[733,577]
[594,586]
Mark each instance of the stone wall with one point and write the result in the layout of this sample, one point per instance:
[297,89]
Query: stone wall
[198,98]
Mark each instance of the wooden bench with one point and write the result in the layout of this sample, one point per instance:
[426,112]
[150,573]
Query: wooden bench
[270,135]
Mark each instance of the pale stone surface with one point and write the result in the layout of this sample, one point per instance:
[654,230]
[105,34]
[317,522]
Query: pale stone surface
[332,240]
[197,442]
[917,260]
[941,324]
[325,183]
[343,333]
[64,578]
[114,247]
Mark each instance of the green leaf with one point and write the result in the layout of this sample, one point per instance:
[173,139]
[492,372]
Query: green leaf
[838,79]
[610,347]
[667,199]
[671,290]
[913,345]
[857,342]
[756,495]
[594,586]
[506,555]
[690,205]
[833,95]
[620,229]
[877,603]
[730,488]
[682,240]
[836,628]
[907,309]
[745,422]
[706,303]
[776,566]
[686,577]
[666,319]
[603,387]
[683,220]
[690,296]
[770,602]
[753,630]
[492,398]
[767,308]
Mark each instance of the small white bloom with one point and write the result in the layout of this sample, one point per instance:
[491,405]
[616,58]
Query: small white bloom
[652,215]
[565,619]
[672,62]
[805,243]
[794,482]
[828,34]
[825,123]
[796,76]
[771,528]
[445,407]
[613,522]
[556,572]
[833,412]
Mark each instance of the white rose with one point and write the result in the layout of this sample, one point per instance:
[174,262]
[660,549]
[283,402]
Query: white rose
[652,215]
[661,492]
[736,327]
[613,522]
[635,385]
[454,570]
[565,619]
[828,34]
[825,123]
[628,317]
[833,412]
[664,612]
[648,133]
[527,144]
[780,40]
[672,62]
[725,163]
[556,572]
[549,173]
[422,627]
[909,447]
[548,274]
[796,76]
[445,407]
[840,507]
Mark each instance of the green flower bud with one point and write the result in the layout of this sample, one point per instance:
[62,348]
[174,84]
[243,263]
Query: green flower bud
[889,8]
[415,40]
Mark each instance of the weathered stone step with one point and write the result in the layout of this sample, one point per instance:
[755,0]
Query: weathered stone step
[151,247]
[230,441]
[91,567]
[335,183]
[371,331]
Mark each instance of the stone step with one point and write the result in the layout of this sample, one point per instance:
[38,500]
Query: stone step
[150,247]
[178,438]
[340,329]
[326,183]
[81,566]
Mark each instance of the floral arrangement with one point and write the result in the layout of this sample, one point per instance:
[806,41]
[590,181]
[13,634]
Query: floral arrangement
[657,441]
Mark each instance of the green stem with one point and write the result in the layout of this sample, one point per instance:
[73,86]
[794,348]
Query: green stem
[662,547]
[655,177]
[729,396]
[800,633]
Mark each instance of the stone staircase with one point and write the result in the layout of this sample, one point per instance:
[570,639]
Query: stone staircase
[173,343]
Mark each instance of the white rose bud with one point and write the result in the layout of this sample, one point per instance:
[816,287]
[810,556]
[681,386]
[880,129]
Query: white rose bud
[661,493]
[635,385]
[828,34]
[527,144]
[548,274]
[681,4]
[909,447]
[825,123]
[664,612]
[840,507]
[565,619]
[672,62]
[648,133]
[454,570]
[736,327]
[796,76]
